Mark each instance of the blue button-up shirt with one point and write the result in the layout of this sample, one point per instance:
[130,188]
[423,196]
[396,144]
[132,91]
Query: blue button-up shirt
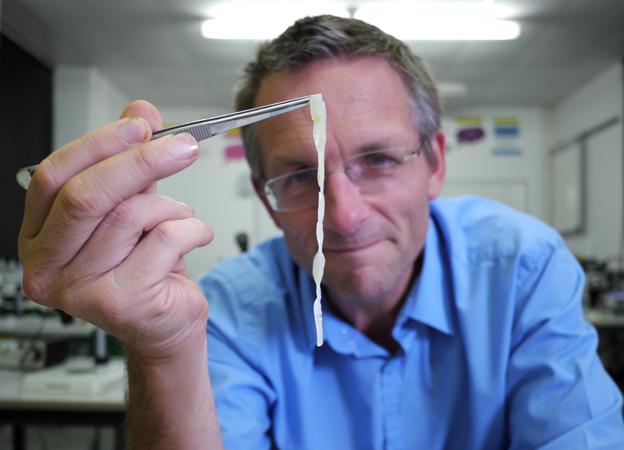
[494,350]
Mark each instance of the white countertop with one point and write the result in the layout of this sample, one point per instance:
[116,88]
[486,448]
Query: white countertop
[16,390]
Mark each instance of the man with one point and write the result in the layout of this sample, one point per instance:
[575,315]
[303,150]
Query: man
[448,324]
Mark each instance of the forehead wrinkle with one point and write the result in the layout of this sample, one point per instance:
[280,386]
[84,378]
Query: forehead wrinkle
[364,136]
[363,122]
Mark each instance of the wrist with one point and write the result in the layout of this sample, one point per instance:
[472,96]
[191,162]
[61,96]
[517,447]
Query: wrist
[170,402]
[187,345]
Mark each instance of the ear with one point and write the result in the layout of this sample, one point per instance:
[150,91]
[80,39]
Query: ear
[437,170]
[257,184]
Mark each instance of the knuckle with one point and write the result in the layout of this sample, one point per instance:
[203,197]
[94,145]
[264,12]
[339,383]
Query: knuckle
[46,176]
[144,161]
[78,198]
[123,215]
[32,285]
[52,289]
[165,234]
[35,284]
[203,230]
[103,142]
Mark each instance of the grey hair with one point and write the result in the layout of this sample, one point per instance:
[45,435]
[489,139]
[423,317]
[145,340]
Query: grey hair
[323,37]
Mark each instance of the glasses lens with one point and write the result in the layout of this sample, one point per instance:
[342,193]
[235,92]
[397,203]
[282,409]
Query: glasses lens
[371,171]
[293,190]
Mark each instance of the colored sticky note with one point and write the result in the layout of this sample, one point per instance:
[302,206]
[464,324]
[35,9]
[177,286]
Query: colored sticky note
[234,152]
[467,135]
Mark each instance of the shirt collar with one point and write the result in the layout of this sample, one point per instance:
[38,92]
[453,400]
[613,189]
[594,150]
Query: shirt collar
[339,335]
[430,297]
[428,301]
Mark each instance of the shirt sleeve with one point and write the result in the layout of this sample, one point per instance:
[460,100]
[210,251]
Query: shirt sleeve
[242,393]
[560,396]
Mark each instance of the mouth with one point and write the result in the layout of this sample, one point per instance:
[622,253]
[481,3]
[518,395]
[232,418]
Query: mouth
[349,248]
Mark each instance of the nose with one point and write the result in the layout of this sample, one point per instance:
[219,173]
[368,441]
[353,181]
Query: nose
[345,208]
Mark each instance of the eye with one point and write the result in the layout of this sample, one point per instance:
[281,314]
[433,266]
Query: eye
[301,178]
[384,159]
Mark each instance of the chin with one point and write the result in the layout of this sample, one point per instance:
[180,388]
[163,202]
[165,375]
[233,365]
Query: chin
[361,284]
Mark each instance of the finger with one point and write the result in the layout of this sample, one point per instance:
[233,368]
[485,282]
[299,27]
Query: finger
[90,195]
[159,252]
[54,171]
[141,108]
[121,230]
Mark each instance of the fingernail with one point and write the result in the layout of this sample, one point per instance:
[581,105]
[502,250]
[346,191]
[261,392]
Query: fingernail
[182,146]
[134,130]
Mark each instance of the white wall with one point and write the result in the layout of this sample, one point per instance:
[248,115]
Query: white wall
[83,100]
[599,100]
[480,168]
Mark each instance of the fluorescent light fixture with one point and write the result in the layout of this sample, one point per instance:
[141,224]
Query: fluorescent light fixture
[441,20]
[484,9]
[452,89]
[408,20]
[240,19]
[458,30]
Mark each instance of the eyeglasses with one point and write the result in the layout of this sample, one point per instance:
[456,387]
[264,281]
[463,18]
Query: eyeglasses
[371,172]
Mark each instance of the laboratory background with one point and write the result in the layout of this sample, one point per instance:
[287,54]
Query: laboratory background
[533,96]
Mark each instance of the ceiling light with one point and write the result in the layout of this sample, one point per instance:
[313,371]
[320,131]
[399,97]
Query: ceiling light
[483,9]
[262,19]
[461,30]
[408,20]
[440,20]
[452,89]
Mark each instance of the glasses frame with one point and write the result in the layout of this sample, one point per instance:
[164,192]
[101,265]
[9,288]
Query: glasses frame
[268,193]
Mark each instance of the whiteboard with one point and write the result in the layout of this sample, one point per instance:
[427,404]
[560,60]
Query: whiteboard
[513,192]
[567,187]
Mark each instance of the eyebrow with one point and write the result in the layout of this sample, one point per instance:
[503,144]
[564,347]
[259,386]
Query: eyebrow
[293,160]
[379,144]
[290,163]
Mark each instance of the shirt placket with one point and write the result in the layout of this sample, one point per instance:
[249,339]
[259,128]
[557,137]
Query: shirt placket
[391,391]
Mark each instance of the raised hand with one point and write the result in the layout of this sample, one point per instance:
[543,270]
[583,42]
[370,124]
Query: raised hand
[99,243]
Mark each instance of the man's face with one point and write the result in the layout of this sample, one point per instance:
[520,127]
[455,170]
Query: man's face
[371,240]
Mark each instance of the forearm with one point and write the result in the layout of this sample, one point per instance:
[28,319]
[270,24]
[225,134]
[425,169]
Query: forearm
[170,403]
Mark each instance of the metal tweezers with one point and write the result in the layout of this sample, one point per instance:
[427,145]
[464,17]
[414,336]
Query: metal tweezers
[203,129]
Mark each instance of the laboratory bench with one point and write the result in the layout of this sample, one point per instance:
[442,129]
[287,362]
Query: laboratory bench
[56,396]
